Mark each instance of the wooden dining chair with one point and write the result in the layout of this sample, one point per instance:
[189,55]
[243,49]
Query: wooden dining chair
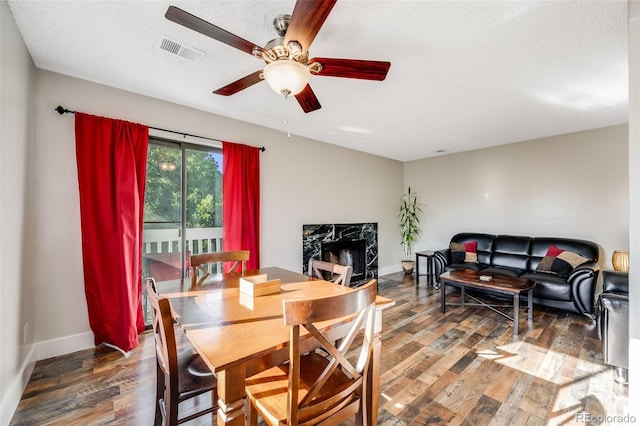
[339,274]
[311,388]
[181,375]
[198,262]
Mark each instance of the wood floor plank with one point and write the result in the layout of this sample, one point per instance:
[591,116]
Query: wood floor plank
[523,418]
[463,367]
[407,398]
[500,388]
[510,410]
[538,397]
[483,412]
[433,413]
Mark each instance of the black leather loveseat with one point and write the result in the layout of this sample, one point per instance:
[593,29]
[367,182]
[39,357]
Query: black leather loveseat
[565,270]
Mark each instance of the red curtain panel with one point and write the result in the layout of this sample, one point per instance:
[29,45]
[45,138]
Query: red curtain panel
[241,200]
[111,157]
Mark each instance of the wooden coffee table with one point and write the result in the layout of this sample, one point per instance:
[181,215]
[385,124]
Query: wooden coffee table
[500,284]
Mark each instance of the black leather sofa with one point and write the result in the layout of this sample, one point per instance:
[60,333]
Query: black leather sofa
[613,322]
[521,255]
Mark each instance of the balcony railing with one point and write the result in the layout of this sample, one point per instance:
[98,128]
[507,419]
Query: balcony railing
[161,249]
[199,240]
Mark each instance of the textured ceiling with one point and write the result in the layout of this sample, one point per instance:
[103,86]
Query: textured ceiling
[464,74]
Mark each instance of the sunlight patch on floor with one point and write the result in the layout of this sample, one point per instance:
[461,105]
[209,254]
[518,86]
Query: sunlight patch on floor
[538,361]
[582,393]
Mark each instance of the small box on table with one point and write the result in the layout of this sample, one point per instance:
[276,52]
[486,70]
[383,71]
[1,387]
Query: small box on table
[258,285]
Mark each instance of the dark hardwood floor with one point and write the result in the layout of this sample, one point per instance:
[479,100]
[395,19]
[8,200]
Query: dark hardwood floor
[463,367]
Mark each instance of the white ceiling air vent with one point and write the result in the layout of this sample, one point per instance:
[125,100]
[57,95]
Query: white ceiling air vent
[180,49]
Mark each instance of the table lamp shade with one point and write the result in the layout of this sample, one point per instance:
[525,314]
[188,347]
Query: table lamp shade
[620,260]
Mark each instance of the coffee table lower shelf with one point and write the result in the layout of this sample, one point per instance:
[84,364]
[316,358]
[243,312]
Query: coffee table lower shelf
[501,284]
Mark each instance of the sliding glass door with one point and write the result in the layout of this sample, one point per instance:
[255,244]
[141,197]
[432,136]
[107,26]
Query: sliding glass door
[183,208]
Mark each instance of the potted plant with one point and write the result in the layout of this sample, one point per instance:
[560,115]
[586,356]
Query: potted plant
[409,219]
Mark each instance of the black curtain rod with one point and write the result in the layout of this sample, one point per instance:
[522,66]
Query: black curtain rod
[61,110]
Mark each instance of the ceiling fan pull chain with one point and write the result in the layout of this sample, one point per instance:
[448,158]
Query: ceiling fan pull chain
[286,123]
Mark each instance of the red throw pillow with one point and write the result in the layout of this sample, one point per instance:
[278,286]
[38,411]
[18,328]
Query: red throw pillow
[471,252]
[560,262]
[553,251]
[465,252]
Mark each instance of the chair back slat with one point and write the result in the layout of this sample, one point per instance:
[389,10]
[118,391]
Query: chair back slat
[302,311]
[198,262]
[339,274]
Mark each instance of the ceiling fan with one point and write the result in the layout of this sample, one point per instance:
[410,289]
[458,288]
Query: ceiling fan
[288,68]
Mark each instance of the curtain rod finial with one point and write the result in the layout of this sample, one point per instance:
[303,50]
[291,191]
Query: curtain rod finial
[262,149]
[61,110]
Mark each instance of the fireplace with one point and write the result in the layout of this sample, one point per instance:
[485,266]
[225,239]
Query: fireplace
[354,244]
[348,253]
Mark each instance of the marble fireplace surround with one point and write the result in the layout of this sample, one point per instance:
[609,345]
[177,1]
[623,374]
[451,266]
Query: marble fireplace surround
[355,243]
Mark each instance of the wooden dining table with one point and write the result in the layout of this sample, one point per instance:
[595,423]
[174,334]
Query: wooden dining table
[238,335]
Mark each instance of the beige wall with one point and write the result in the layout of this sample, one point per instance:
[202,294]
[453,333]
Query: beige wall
[17,75]
[573,185]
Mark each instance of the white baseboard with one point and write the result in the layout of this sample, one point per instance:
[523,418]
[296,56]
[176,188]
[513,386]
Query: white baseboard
[64,345]
[389,270]
[13,396]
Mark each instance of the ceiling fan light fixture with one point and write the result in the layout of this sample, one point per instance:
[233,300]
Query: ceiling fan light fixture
[286,77]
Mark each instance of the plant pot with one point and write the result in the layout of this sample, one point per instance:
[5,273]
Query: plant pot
[407,266]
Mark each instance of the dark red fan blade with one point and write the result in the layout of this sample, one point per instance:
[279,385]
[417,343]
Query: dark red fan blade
[307,100]
[239,85]
[352,68]
[306,20]
[192,22]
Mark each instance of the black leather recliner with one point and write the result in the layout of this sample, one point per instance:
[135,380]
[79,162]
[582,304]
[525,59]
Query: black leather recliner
[613,322]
